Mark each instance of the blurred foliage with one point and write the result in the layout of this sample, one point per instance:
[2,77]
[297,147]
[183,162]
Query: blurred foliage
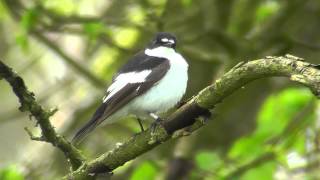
[266,10]
[93,30]
[10,173]
[208,161]
[264,172]
[279,132]
[144,171]
[67,51]
[273,119]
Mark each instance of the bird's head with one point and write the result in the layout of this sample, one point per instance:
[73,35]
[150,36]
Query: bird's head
[163,39]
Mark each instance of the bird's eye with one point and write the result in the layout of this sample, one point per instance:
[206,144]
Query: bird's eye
[164,40]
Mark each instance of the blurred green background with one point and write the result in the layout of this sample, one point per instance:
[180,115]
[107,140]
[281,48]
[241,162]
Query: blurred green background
[68,50]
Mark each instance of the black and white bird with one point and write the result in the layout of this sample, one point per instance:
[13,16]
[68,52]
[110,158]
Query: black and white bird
[153,81]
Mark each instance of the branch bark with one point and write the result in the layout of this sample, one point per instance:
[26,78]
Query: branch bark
[29,103]
[287,66]
[182,122]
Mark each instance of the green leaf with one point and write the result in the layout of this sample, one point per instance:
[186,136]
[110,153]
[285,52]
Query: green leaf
[103,62]
[208,161]
[93,30]
[137,15]
[280,109]
[263,172]
[22,40]
[64,7]
[29,19]
[186,3]
[145,171]
[125,37]
[158,2]
[247,147]
[11,173]
[3,12]
[274,116]
[266,10]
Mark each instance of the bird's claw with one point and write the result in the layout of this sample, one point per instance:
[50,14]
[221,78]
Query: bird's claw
[154,125]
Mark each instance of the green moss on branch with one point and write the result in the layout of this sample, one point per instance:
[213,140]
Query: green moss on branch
[287,66]
[184,118]
[29,103]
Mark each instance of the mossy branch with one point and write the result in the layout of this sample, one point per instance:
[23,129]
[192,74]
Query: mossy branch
[29,103]
[296,69]
[182,122]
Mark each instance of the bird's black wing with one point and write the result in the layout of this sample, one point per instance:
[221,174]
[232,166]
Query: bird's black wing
[158,67]
[140,62]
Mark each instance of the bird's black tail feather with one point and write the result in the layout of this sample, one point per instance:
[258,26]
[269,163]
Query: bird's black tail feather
[83,132]
[90,125]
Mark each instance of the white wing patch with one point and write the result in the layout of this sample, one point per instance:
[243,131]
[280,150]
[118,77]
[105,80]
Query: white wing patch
[124,79]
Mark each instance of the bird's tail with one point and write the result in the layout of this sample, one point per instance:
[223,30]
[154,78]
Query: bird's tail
[83,132]
[96,119]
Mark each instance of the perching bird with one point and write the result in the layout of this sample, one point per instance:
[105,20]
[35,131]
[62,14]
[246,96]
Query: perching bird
[153,81]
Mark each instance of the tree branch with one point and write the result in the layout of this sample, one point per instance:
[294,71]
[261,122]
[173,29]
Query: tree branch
[243,73]
[185,117]
[29,103]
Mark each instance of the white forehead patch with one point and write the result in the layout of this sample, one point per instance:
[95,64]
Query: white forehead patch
[164,39]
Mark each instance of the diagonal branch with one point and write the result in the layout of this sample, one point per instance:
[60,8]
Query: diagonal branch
[182,122]
[29,103]
[243,73]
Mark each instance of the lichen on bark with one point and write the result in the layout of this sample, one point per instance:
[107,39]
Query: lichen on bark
[185,119]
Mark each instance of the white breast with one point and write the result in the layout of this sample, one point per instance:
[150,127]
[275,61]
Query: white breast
[170,89]
[162,96]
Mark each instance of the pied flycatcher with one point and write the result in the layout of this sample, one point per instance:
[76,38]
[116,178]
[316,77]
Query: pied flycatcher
[153,81]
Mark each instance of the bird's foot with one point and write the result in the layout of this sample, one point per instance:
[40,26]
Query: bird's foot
[154,125]
[140,124]
[157,121]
